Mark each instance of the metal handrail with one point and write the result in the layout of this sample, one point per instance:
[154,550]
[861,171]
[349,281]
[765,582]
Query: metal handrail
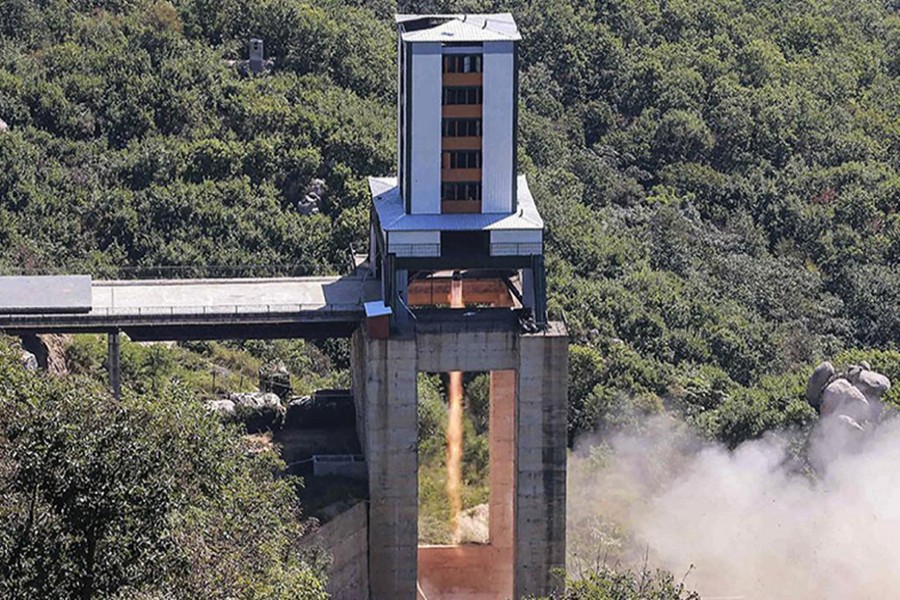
[150,272]
[193,310]
[424,250]
[516,248]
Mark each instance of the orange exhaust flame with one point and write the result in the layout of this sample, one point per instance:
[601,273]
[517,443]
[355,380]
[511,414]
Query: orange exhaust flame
[455,431]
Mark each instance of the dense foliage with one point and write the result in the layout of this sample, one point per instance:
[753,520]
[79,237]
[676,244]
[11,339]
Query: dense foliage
[720,179]
[611,584]
[145,498]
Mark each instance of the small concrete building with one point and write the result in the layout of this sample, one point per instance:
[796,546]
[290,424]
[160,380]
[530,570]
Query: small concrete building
[457,203]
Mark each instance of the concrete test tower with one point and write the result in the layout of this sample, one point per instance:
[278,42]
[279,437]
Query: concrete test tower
[457,245]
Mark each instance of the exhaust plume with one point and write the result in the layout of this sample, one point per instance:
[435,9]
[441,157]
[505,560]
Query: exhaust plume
[752,523]
[455,430]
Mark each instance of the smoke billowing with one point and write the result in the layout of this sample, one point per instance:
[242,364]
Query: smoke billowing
[755,523]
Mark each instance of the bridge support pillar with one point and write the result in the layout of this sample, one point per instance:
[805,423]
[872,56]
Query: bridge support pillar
[527,434]
[113,364]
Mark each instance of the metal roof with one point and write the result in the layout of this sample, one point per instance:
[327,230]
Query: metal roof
[499,27]
[393,217]
[45,294]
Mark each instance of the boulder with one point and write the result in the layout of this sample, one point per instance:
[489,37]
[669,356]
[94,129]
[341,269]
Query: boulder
[222,408]
[850,423]
[275,378]
[308,205]
[259,411]
[3,125]
[313,196]
[820,378]
[841,398]
[872,385]
[29,361]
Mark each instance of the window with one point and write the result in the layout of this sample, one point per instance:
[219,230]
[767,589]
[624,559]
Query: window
[461,191]
[461,127]
[464,159]
[465,243]
[463,63]
[462,95]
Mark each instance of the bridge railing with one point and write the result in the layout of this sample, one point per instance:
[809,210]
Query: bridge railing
[231,309]
[137,312]
[209,271]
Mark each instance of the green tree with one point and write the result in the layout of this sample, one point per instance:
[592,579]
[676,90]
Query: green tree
[101,498]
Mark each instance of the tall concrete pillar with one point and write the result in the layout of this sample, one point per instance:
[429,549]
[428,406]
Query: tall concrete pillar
[386,385]
[502,472]
[114,365]
[540,520]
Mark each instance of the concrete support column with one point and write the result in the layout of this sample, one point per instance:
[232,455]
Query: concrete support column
[401,283]
[114,367]
[540,517]
[502,444]
[502,439]
[387,378]
[527,288]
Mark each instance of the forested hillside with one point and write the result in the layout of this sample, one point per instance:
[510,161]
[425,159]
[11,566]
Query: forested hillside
[720,179]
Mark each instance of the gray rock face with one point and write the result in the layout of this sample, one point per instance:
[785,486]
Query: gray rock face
[312,199]
[223,408]
[872,385]
[274,377]
[818,381]
[841,398]
[850,423]
[259,411]
[29,361]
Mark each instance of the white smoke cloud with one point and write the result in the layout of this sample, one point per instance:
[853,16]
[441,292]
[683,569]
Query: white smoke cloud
[753,522]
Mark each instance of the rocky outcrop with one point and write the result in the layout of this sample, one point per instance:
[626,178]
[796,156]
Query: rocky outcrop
[29,361]
[853,396]
[259,411]
[275,378]
[49,350]
[313,196]
[820,378]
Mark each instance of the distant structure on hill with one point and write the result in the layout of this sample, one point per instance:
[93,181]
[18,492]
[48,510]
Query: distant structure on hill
[257,63]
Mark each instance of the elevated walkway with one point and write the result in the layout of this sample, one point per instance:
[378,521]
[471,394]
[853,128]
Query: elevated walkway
[176,309]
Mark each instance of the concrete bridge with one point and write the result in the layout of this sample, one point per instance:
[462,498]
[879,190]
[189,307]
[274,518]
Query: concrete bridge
[193,309]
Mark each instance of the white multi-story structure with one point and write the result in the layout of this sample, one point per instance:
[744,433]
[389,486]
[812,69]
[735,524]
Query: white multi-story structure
[458,204]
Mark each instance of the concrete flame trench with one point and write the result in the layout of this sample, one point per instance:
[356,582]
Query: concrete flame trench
[527,438]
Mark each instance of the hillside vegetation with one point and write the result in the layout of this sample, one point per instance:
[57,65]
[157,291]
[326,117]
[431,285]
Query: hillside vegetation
[720,181]
[141,499]
[719,178]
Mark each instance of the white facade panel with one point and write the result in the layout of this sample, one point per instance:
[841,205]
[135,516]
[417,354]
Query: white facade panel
[517,242]
[414,243]
[498,170]
[425,146]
